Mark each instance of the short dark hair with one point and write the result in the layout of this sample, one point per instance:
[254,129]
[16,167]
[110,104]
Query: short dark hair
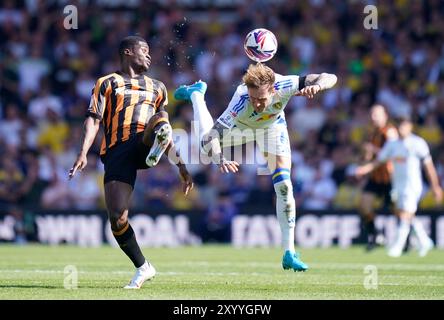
[128,43]
[401,118]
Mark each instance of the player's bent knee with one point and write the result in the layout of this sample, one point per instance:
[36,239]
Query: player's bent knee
[118,223]
[118,217]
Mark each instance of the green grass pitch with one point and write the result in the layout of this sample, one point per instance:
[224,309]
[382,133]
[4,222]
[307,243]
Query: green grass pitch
[218,272]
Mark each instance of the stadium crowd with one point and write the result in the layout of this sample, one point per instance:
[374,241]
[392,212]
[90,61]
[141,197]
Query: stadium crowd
[47,73]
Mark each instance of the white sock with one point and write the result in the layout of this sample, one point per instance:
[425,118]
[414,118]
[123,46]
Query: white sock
[286,212]
[420,232]
[202,117]
[144,266]
[403,233]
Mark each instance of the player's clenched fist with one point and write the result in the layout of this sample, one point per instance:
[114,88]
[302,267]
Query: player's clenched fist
[310,91]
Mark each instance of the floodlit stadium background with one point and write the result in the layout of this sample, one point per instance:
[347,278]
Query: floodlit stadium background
[48,71]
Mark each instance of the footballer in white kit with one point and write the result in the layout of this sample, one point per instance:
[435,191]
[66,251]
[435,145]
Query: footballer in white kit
[408,154]
[256,112]
[269,127]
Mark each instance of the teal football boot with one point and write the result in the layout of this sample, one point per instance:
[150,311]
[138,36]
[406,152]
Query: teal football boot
[291,260]
[184,92]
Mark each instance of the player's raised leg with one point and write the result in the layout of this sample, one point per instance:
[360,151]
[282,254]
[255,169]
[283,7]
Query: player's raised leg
[203,121]
[117,196]
[158,135]
[285,209]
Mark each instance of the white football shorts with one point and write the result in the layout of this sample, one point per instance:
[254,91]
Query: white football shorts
[272,140]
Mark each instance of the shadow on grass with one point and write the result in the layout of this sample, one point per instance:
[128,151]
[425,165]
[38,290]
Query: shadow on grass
[45,286]
[30,286]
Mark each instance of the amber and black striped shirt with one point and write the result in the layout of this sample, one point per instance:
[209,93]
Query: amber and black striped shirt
[124,105]
[378,138]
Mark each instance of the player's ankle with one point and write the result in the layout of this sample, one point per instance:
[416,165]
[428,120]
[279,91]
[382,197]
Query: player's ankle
[196,93]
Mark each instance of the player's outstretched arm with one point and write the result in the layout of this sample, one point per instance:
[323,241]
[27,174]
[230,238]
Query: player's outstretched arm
[90,128]
[433,179]
[211,145]
[366,168]
[186,178]
[315,83]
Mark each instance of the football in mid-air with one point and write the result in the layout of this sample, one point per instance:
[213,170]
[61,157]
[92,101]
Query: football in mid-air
[260,45]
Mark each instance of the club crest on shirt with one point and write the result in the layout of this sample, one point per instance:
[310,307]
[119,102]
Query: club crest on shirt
[278,105]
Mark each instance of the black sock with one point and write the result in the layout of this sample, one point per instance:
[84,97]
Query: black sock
[371,229]
[127,242]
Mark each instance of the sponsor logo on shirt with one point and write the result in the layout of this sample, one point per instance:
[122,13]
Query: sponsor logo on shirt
[124,91]
[227,120]
[266,117]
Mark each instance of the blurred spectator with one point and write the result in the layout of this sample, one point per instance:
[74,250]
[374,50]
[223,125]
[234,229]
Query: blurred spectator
[240,189]
[57,195]
[308,118]
[32,69]
[12,179]
[44,102]
[430,130]
[11,125]
[154,186]
[320,193]
[86,191]
[19,225]
[262,193]
[53,132]
[217,222]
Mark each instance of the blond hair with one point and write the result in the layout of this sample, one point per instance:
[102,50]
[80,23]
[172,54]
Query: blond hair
[258,75]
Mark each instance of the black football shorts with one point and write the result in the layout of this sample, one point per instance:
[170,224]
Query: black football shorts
[124,159]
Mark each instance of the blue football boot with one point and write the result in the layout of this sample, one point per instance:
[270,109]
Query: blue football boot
[184,92]
[291,260]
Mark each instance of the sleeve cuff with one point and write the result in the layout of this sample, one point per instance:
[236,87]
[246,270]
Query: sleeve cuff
[93,115]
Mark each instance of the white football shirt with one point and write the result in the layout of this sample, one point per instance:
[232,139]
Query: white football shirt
[240,112]
[407,156]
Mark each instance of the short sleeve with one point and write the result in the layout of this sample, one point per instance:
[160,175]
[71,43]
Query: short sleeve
[163,97]
[423,150]
[288,85]
[98,99]
[386,152]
